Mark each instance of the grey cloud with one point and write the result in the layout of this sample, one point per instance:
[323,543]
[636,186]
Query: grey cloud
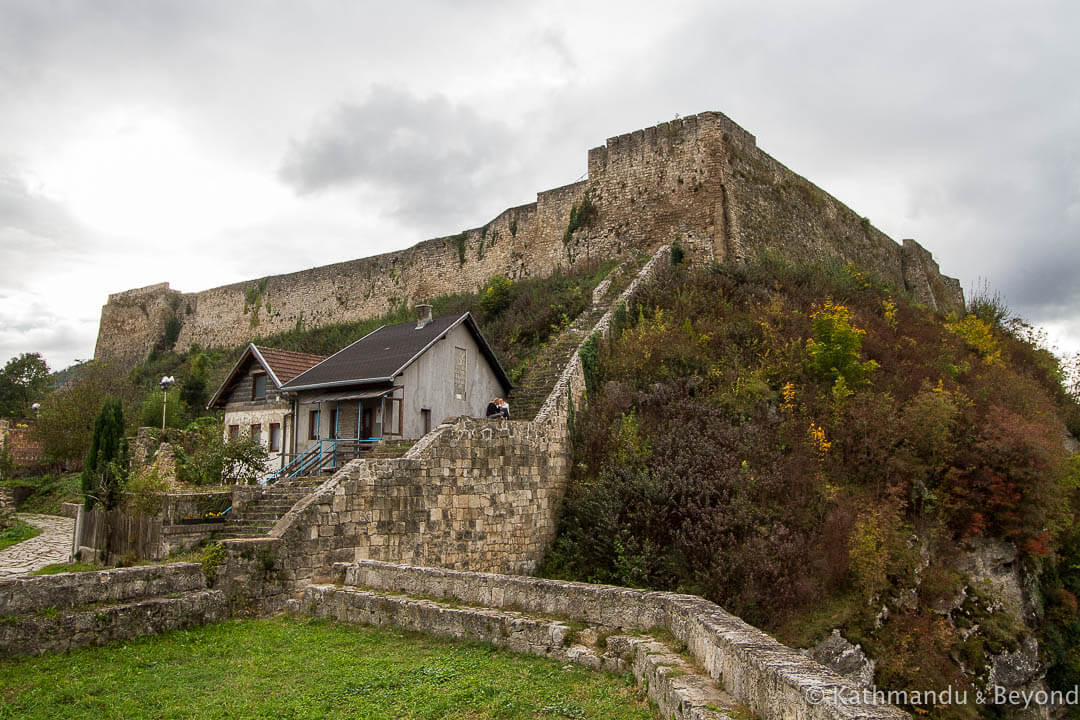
[436,159]
[27,325]
[22,209]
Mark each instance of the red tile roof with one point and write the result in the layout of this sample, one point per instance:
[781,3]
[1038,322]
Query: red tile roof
[287,364]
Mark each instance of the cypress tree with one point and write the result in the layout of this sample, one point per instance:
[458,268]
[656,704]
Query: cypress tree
[107,457]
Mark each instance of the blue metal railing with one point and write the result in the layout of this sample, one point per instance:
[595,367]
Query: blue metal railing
[324,454]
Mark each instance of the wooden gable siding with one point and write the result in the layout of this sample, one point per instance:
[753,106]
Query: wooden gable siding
[240,392]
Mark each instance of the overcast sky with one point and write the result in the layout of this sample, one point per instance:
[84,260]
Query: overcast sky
[202,143]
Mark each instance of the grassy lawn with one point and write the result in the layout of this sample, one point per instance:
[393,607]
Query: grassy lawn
[17,533]
[289,668]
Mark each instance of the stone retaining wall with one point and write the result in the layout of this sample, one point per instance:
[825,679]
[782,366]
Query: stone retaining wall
[52,613]
[473,494]
[7,507]
[68,590]
[679,691]
[771,679]
[39,634]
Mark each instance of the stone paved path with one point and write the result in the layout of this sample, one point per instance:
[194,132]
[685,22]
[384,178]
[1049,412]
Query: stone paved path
[53,545]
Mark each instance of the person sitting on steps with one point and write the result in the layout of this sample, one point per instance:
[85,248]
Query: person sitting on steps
[497,408]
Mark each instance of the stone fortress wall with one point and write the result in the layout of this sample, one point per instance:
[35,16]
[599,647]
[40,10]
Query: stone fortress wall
[700,180]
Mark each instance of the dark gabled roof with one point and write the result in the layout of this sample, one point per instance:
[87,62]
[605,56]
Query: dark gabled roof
[280,365]
[383,354]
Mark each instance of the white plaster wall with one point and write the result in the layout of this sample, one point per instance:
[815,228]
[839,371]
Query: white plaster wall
[262,416]
[429,383]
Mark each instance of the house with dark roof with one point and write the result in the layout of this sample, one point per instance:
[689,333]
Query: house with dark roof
[396,382]
[254,402]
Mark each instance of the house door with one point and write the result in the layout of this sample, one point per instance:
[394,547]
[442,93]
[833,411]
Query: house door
[366,423]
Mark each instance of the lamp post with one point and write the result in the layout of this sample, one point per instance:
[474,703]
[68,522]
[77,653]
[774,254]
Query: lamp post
[166,383]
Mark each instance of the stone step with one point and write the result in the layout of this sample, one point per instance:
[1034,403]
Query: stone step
[58,630]
[680,690]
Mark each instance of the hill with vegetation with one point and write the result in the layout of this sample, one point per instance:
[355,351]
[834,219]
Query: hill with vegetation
[812,450]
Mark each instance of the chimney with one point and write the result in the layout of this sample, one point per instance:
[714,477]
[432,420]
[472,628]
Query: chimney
[423,316]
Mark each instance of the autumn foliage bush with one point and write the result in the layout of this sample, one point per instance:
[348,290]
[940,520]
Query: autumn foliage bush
[785,439]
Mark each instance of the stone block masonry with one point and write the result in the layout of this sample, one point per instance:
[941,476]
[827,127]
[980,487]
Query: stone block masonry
[473,494]
[700,180]
[772,680]
[57,612]
[679,691]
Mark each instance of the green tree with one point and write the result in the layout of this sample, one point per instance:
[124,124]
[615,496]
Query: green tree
[106,461]
[496,296]
[23,382]
[215,460]
[194,390]
[66,419]
[150,411]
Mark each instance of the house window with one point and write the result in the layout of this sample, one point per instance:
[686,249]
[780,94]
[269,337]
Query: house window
[313,425]
[275,437]
[425,416]
[256,433]
[234,432]
[258,387]
[460,366]
[332,433]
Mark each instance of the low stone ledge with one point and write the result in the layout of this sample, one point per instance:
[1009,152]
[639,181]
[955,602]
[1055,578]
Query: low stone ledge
[678,689]
[511,630]
[23,595]
[36,634]
[772,680]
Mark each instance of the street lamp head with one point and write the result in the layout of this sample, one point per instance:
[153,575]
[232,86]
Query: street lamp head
[167,382]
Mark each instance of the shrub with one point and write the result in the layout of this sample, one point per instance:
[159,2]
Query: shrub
[978,335]
[145,491]
[213,460]
[834,350]
[496,296]
[989,307]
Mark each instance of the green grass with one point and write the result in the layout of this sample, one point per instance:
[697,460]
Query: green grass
[288,668]
[17,533]
[70,567]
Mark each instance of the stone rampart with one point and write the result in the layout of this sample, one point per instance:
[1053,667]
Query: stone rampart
[772,680]
[700,180]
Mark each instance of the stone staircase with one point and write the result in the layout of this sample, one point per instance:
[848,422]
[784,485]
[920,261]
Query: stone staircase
[539,378]
[267,505]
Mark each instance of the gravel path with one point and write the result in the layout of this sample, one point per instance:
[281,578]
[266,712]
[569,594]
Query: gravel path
[53,545]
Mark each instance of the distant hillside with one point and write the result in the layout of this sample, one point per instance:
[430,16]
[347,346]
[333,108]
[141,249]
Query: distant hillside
[810,449]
